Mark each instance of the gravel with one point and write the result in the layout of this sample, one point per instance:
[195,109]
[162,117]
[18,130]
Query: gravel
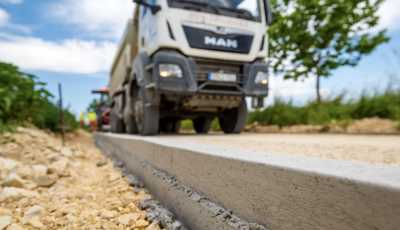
[46,186]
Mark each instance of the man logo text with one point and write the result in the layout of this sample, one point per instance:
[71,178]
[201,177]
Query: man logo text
[221,42]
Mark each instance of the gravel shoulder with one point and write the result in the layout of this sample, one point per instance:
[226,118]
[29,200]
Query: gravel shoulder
[374,149]
[47,186]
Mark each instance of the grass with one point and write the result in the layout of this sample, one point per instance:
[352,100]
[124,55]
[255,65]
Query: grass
[386,105]
[5,128]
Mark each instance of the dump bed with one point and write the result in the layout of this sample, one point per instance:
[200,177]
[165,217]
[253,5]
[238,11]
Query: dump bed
[126,53]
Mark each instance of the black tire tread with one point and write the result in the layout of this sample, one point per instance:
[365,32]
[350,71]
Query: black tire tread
[150,121]
[131,127]
[117,125]
[202,124]
[177,126]
[237,119]
[151,117]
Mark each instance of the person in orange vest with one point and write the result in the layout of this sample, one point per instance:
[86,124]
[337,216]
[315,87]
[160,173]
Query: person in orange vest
[82,119]
[92,120]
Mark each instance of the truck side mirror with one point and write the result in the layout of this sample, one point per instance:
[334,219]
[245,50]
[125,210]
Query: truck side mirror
[268,12]
[154,9]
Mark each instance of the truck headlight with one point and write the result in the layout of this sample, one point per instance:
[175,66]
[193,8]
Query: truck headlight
[170,70]
[261,78]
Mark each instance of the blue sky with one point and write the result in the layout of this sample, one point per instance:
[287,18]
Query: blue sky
[73,42]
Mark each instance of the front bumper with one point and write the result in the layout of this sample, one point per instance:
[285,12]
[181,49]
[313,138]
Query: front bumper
[195,76]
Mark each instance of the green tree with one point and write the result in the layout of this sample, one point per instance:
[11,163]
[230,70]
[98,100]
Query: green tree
[93,104]
[314,37]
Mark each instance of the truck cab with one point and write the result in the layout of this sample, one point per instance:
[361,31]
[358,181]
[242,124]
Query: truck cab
[190,59]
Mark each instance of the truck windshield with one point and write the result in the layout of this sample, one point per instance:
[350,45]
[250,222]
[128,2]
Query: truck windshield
[246,9]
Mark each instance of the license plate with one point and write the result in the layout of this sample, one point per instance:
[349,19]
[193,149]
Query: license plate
[222,77]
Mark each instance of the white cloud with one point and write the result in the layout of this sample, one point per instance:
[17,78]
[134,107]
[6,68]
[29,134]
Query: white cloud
[4,17]
[11,1]
[285,88]
[100,18]
[21,28]
[300,92]
[389,15]
[5,23]
[68,56]
[279,87]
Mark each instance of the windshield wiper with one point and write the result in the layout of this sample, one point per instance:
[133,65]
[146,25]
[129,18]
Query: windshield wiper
[245,13]
[211,6]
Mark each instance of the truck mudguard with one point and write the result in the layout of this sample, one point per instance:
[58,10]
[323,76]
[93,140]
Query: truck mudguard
[139,72]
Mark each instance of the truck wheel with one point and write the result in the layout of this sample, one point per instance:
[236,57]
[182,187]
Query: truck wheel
[235,119]
[117,125]
[177,126]
[202,124]
[170,126]
[131,127]
[163,126]
[99,123]
[147,117]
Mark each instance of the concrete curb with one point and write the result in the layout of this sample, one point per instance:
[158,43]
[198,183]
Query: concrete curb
[277,191]
[179,198]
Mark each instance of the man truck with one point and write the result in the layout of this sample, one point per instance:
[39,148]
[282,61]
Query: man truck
[190,59]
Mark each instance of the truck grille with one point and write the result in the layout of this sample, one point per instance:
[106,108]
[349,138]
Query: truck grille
[206,66]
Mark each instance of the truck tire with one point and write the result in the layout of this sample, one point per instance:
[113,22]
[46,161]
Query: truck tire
[99,123]
[177,126]
[117,125]
[146,116]
[234,120]
[170,126]
[131,127]
[202,124]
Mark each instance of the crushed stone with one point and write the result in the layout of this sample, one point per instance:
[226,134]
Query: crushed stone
[48,186]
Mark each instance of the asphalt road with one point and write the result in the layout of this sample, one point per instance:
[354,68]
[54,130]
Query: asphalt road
[375,149]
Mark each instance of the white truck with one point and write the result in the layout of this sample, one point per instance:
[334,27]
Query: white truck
[190,59]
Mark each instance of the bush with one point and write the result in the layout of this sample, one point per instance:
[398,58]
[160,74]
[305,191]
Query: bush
[215,125]
[187,125]
[6,128]
[385,105]
[51,118]
[23,98]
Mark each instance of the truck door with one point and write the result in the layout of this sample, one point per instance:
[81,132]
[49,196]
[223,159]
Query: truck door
[148,33]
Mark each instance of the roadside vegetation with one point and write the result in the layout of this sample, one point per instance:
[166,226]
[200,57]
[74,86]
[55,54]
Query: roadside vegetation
[386,106]
[24,99]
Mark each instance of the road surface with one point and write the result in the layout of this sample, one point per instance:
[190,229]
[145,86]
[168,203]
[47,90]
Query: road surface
[375,149]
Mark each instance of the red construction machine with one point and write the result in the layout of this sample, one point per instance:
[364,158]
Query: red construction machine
[103,110]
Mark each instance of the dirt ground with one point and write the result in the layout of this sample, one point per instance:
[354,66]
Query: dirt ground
[375,149]
[372,125]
